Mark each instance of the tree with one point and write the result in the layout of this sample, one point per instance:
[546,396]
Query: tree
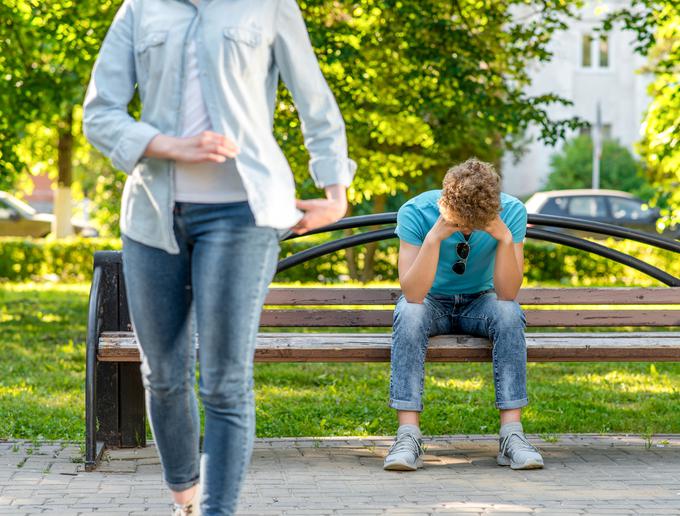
[51,48]
[423,85]
[573,168]
[657,27]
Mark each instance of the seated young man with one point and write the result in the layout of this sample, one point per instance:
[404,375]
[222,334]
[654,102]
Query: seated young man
[461,262]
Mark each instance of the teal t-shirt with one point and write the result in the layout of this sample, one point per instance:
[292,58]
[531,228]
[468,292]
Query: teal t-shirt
[417,216]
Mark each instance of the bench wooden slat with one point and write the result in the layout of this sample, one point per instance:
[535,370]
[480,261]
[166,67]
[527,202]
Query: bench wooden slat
[381,318]
[527,296]
[375,347]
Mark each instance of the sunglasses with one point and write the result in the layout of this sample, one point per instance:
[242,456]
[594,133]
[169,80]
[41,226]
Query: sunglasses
[463,251]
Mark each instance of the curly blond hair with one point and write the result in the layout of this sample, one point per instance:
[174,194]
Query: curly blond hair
[471,194]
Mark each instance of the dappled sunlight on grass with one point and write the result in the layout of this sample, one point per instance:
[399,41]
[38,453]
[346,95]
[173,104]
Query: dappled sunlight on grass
[14,391]
[469,385]
[288,393]
[47,286]
[625,381]
[49,318]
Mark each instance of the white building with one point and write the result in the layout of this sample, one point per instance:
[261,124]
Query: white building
[586,69]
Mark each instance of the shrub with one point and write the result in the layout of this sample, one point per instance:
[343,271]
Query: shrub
[71,260]
[68,260]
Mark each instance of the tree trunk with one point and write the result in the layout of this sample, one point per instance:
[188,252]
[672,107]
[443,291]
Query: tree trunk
[350,254]
[62,227]
[368,273]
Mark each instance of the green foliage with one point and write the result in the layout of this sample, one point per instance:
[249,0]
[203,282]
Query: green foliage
[548,263]
[65,259]
[573,168]
[21,259]
[656,24]
[660,145]
[52,46]
[419,93]
[106,196]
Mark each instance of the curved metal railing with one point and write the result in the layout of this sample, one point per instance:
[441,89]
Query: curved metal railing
[532,232]
[91,368]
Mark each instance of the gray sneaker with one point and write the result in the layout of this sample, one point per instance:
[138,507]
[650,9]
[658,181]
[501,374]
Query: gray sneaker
[405,453]
[518,453]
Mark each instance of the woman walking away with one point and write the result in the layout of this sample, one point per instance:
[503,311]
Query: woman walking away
[208,195]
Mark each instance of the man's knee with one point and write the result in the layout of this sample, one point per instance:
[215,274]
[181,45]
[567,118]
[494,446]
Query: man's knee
[507,314]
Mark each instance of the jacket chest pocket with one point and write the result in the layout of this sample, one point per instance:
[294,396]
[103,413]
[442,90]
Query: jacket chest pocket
[243,50]
[150,53]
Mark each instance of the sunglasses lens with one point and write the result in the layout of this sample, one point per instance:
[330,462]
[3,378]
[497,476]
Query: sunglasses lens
[459,267]
[463,249]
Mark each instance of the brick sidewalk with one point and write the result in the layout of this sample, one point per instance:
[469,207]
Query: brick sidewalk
[584,474]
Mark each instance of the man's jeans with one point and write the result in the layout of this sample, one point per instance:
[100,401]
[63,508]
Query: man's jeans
[479,314]
[224,268]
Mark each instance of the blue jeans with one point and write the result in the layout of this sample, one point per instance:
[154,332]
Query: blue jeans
[479,314]
[221,274]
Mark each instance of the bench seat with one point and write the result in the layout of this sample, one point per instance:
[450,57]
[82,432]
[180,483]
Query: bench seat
[375,347]
[353,325]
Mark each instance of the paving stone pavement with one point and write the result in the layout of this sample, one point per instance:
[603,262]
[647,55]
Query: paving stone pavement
[584,474]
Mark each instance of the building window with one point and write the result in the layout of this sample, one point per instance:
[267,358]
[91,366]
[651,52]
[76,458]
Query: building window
[586,60]
[604,52]
[594,51]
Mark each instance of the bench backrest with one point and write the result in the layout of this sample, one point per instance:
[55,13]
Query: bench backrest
[544,307]
[373,307]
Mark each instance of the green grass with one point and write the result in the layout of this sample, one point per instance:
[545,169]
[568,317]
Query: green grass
[42,376]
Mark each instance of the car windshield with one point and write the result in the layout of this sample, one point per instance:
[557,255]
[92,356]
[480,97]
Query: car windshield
[20,206]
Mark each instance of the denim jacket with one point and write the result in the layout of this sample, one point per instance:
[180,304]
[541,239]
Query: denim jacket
[242,47]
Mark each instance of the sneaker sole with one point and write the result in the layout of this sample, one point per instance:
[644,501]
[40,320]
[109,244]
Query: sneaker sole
[504,461]
[403,466]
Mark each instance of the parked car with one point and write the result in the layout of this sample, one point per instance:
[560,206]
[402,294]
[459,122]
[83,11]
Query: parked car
[610,206]
[19,219]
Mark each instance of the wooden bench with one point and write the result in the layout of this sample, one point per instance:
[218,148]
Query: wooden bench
[564,324]
[562,314]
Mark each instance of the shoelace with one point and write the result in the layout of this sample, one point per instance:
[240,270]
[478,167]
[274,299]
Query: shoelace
[406,442]
[520,443]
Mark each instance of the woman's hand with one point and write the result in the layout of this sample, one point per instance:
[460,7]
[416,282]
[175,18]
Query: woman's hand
[205,147]
[321,212]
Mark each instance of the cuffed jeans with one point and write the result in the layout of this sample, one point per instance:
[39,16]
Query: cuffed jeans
[224,268]
[481,314]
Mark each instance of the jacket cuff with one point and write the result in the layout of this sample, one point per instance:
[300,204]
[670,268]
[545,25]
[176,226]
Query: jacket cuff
[332,171]
[130,148]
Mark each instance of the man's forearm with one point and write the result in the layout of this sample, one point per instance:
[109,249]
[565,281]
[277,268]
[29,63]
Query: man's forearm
[417,282]
[507,274]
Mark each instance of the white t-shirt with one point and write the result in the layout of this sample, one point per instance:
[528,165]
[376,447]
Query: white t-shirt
[202,182]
